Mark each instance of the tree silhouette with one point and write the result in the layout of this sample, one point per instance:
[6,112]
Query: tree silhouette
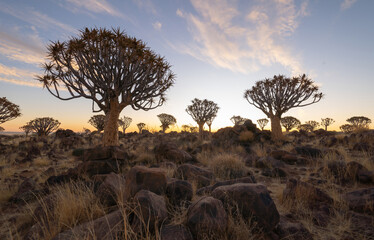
[209,123]
[98,122]
[289,122]
[305,127]
[327,122]
[1,129]
[313,124]
[27,129]
[166,120]
[347,128]
[124,123]
[44,126]
[238,120]
[185,128]
[278,95]
[110,68]
[262,123]
[201,111]
[140,126]
[8,110]
[359,122]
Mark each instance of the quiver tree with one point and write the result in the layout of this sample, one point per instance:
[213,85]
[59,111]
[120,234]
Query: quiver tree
[124,123]
[1,129]
[313,124]
[201,111]
[290,122]
[327,122]
[262,123]
[98,122]
[238,120]
[8,110]
[210,122]
[140,127]
[110,68]
[347,128]
[166,120]
[276,96]
[44,126]
[305,127]
[27,129]
[359,122]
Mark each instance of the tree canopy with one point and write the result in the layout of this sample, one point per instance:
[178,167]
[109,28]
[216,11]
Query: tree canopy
[202,111]
[8,110]
[290,122]
[124,123]
[98,122]
[166,120]
[262,123]
[327,122]
[44,126]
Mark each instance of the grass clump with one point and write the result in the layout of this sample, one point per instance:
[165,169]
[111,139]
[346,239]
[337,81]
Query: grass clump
[228,166]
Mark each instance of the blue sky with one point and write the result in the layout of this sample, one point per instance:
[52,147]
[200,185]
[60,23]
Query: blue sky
[217,50]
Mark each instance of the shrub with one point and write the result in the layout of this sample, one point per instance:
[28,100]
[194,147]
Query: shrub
[228,166]
[246,136]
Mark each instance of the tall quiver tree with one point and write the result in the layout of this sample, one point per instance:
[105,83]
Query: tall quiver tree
[278,95]
[110,68]
[290,122]
[202,111]
[124,123]
[210,122]
[8,110]
[166,120]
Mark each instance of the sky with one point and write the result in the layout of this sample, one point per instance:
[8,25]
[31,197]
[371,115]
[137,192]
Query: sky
[217,49]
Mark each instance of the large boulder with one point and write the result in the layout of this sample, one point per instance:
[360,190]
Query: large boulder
[292,230]
[203,177]
[139,178]
[252,200]
[27,191]
[361,200]
[111,190]
[206,216]
[308,151]
[179,191]
[209,189]
[166,151]
[359,173]
[288,157]
[175,232]
[151,211]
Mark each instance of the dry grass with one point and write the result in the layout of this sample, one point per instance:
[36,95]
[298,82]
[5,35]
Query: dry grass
[228,166]
[42,161]
[259,150]
[246,136]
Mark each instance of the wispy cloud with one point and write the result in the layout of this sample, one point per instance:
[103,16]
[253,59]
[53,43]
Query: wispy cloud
[18,76]
[243,40]
[157,25]
[347,4]
[147,5]
[96,6]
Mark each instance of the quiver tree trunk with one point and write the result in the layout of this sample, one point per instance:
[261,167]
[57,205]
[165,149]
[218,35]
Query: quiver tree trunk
[276,129]
[201,128]
[110,137]
[210,128]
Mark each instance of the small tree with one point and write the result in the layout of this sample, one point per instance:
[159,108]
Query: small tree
[278,95]
[201,111]
[305,127]
[44,126]
[124,123]
[98,122]
[238,120]
[209,123]
[262,123]
[313,124]
[185,128]
[26,128]
[110,68]
[359,122]
[166,120]
[8,110]
[140,127]
[193,129]
[290,122]
[327,122]
[347,128]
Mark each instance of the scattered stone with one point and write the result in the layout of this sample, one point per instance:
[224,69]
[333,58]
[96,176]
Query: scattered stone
[179,191]
[292,230]
[170,152]
[175,232]
[209,189]
[308,151]
[112,189]
[361,200]
[191,172]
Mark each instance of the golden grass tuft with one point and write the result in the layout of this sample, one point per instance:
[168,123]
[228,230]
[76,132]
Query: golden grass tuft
[246,136]
[228,166]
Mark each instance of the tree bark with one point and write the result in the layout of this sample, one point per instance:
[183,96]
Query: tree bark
[201,128]
[210,128]
[110,137]
[276,129]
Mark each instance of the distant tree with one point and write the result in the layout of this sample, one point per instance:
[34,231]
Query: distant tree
[86,131]
[112,69]
[27,129]
[1,129]
[278,95]
[313,124]
[193,129]
[124,123]
[262,123]
[327,122]
[305,127]
[201,111]
[44,126]
[166,120]
[98,122]
[347,128]
[290,122]
[8,110]
[185,128]
[237,120]
[140,127]
[359,122]
[209,123]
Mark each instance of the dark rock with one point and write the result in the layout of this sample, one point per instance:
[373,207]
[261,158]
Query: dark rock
[292,230]
[308,151]
[209,189]
[179,191]
[105,153]
[26,192]
[111,189]
[170,152]
[269,162]
[191,172]
[361,200]
[275,172]
[175,232]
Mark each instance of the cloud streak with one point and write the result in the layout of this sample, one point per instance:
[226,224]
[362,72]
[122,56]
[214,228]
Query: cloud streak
[18,76]
[243,40]
[96,6]
[347,4]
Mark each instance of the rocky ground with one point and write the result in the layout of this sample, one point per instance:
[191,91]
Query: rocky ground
[233,184]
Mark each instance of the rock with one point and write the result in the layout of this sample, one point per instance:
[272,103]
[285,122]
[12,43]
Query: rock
[152,211]
[206,216]
[139,178]
[275,172]
[26,192]
[179,191]
[362,226]
[66,177]
[170,152]
[292,230]
[105,153]
[308,151]
[357,171]
[191,172]
[209,189]
[175,232]
[269,162]
[107,227]
[361,200]
[252,200]
[112,189]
